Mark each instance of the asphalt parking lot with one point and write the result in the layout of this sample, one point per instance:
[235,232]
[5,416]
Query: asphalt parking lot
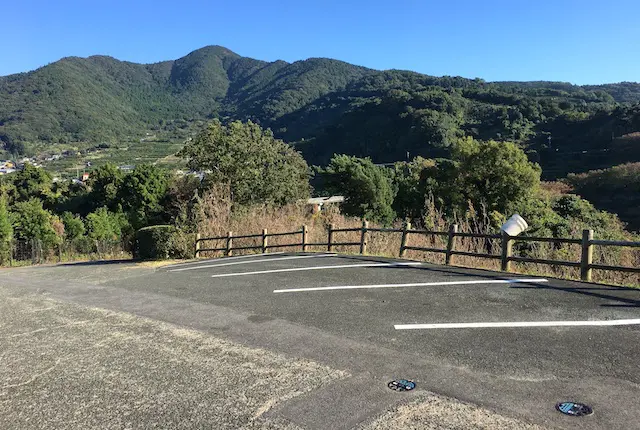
[511,344]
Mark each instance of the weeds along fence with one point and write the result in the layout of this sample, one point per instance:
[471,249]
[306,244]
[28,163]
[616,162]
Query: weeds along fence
[25,252]
[563,257]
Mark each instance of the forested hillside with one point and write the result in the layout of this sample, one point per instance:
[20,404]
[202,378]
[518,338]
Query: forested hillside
[322,106]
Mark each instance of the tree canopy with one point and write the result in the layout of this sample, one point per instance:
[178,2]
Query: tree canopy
[257,167]
[367,188]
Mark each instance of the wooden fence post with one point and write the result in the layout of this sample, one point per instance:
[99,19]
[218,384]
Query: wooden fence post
[587,255]
[453,229]
[405,235]
[364,236]
[265,239]
[197,247]
[305,237]
[330,237]
[229,251]
[507,251]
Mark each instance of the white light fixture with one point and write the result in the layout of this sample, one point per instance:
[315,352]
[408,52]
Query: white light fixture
[514,225]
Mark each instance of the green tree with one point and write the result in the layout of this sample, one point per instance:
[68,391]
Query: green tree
[105,183]
[73,226]
[104,225]
[578,214]
[443,185]
[6,231]
[31,221]
[495,175]
[366,187]
[31,182]
[181,200]
[257,167]
[410,194]
[490,175]
[142,194]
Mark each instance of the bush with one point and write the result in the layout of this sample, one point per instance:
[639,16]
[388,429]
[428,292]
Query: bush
[182,244]
[73,226]
[155,242]
[6,232]
[31,221]
[83,245]
[366,187]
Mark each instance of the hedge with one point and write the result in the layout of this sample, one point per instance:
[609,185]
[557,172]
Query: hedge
[154,242]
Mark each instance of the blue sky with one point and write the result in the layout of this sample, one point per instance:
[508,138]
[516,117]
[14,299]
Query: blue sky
[579,41]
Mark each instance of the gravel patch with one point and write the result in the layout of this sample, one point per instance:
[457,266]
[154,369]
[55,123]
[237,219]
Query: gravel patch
[432,412]
[66,366]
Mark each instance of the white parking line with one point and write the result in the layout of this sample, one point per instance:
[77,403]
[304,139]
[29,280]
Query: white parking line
[519,324]
[261,260]
[415,284]
[208,260]
[300,269]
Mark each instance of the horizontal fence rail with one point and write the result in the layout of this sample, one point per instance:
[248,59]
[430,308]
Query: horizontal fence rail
[506,257]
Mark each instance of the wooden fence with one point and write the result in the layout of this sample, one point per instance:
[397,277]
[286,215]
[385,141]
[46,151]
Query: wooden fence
[506,256]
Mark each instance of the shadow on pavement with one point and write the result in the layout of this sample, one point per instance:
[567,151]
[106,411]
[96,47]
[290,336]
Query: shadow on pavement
[98,263]
[586,290]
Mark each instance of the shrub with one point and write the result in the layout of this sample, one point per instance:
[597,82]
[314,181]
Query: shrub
[181,244]
[154,242]
[366,187]
[83,245]
[6,231]
[73,226]
[102,225]
[32,221]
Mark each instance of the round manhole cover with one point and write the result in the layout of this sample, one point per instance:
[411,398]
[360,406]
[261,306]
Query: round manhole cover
[401,385]
[574,409]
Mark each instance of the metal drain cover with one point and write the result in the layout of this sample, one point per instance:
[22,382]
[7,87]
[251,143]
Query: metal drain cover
[401,385]
[574,409]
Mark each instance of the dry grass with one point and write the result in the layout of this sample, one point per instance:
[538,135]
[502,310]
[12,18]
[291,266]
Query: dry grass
[53,257]
[216,218]
[434,412]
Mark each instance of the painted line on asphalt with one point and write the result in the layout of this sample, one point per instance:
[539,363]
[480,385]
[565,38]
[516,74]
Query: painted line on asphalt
[262,260]
[414,284]
[601,323]
[300,269]
[208,260]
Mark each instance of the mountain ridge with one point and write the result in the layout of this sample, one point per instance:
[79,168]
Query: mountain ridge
[320,104]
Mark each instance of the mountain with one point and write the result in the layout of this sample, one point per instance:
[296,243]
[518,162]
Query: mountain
[322,106]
